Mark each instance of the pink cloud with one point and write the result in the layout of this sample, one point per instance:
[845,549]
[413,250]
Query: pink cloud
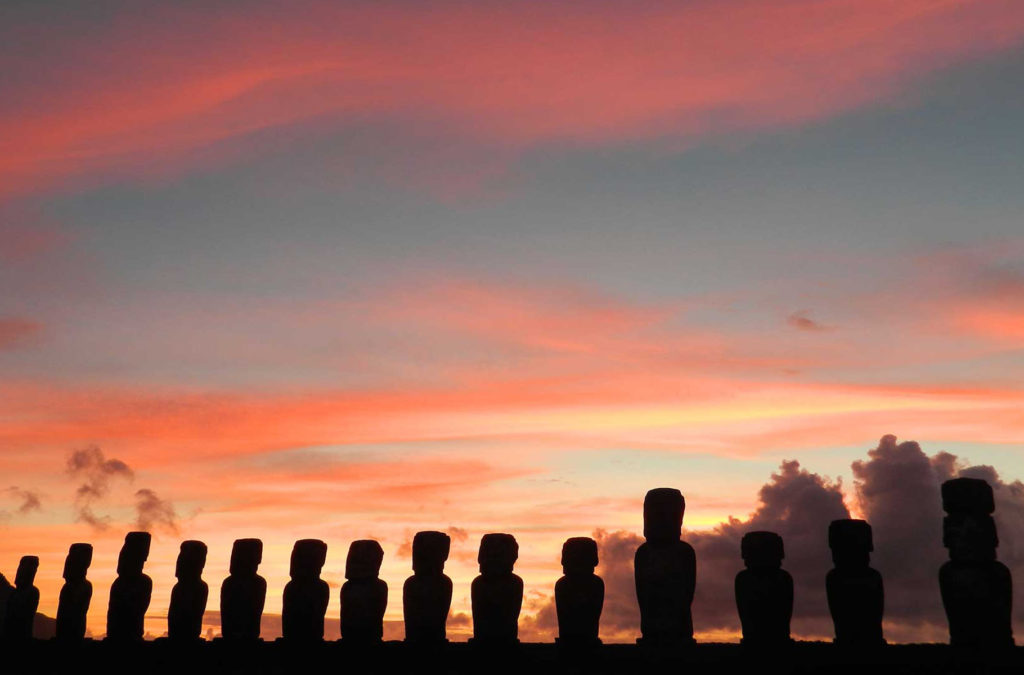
[16,332]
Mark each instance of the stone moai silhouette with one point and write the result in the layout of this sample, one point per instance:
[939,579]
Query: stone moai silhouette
[364,596]
[190,593]
[243,593]
[131,591]
[976,588]
[579,595]
[855,594]
[665,572]
[306,595]
[497,593]
[764,591]
[23,601]
[76,594]
[427,594]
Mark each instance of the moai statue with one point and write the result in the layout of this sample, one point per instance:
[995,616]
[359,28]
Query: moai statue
[306,595]
[243,593]
[976,588]
[427,594]
[855,593]
[764,591]
[75,595]
[364,597]
[189,595]
[23,602]
[497,594]
[665,571]
[579,595]
[131,591]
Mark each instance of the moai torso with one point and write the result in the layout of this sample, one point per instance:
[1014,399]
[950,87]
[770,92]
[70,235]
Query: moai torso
[23,602]
[497,594]
[190,593]
[764,591]
[131,591]
[579,595]
[306,595]
[244,593]
[854,589]
[75,595]
[427,594]
[364,596]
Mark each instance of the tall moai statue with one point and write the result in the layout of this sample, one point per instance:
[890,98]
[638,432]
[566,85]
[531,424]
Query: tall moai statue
[364,596]
[306,595]
[665,572]
[764,591]
[579,595]
[243,593]
[75,595]
[23,601]
[976,588]
[131,591]
[856,597]
[427,594]
[497,593]
[190,593]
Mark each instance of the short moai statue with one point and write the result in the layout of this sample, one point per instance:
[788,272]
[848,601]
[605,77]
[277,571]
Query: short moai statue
[243,593]
[497,593]
[855,594]
[579,595]
[23,602]
[764,591]
[427,594]
[976,588]
[75,595]
[306,595]
[364,596]
[665,572]
[131,591]
[190,593]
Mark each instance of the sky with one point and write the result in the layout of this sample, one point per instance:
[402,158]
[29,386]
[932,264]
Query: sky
[357,269]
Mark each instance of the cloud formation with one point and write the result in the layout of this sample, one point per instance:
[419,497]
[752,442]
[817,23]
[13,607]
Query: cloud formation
[153,511]
[17,331]
[96,471]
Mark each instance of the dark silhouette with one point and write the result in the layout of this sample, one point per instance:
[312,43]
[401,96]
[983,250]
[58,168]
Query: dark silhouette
[427,594]
[855,592]
[131,591]
[306,595]
[665,571]
[23,602]
[579,595]
[364,597]
[189,595]
[497,594]
[75,595]
[764,591]
[243,593]
[977,589]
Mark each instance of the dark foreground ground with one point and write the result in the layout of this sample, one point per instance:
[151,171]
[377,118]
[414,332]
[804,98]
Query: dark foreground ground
[44,656]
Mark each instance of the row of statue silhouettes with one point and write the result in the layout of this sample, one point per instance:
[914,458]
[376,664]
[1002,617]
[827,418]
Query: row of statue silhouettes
[976,588]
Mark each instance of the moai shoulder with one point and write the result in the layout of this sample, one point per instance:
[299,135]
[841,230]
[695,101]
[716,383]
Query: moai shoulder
[764,591]
[427,594]
[497,593]
[855,592]
[579,594]
[364,596]
[131,591]
[23,601]
[190,594]
[75,595]
[306,596]
[244,593]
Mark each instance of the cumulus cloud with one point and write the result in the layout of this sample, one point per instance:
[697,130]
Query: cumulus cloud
[151,511]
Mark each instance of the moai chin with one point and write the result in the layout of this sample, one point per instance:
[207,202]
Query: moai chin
[244,593]
[190,593]
[427,594]
[579,595]
[306,595]
[131,591]
[665,572]
[854,589]
[764,591]
[497,594]
[75,595]
[23,601]
[364,597]
[976,588]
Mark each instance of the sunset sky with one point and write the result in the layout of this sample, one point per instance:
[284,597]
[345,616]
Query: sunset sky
[356,269]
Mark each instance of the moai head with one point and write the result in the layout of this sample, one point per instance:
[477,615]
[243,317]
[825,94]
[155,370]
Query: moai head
[364,559]
[308,558]
[430,551]
[850,541]
[246,556]
[579,556]
[134,553]
[970,538]
[76,564]
[663,515]
[971,496]
[498,553]
[191,560]
[762,550]
[26,574]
